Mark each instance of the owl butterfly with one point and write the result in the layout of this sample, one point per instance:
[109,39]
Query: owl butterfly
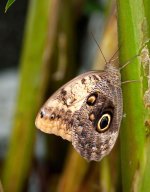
[86,111]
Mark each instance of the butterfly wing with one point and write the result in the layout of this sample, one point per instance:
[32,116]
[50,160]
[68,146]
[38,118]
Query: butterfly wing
[55,117]
[86,111]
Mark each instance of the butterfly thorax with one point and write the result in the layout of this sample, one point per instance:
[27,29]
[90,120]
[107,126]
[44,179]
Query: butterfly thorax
[113,73]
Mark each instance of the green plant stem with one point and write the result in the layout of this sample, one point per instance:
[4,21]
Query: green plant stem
[21,145]
[131,20]
[146,176]
[147,14]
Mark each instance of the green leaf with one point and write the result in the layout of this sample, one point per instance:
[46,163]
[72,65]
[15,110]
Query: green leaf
[9,3]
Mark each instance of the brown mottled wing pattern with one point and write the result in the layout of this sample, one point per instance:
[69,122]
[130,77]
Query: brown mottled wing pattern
[55,117]
[75,110]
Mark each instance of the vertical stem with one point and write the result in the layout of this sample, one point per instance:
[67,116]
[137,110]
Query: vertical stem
[131,20]
[21,146]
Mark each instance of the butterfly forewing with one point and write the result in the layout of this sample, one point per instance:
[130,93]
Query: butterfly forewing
[55,115]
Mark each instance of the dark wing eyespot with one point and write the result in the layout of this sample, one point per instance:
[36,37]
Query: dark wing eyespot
[104,122]
[92,99]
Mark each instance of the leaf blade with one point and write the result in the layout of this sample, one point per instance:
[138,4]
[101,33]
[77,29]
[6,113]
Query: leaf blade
[8,4]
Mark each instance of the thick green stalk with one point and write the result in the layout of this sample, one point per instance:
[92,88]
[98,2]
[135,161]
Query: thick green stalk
[147,14]
[132,27]
[146,176]
[20,152]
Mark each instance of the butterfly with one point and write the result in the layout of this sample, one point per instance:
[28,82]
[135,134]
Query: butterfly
[86,111]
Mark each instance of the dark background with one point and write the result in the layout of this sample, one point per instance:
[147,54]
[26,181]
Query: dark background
[12,24]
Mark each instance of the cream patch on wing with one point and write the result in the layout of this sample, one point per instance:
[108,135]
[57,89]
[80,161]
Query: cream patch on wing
[55,126]
[72,95]
[64,103]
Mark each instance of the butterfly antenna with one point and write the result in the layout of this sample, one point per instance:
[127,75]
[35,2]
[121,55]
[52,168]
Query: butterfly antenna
[99,48]
[115,53]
